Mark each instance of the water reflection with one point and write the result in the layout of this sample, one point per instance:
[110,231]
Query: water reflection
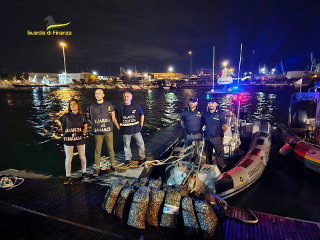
[260,106]
[48,107]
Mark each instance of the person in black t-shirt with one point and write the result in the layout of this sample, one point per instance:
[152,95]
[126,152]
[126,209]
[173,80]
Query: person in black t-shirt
[216,126]
[130,118]
[74,126]
[102,114]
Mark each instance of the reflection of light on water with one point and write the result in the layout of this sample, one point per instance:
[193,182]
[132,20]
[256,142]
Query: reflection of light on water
[265,107]
[170,115]
[48,107]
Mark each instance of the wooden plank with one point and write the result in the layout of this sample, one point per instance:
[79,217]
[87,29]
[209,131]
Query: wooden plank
[287,228]
[275,227]
[300,230]
[263,227]
[251,229]
[313,230]
[228,225]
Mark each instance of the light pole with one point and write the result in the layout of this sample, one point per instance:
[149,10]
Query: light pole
[190,53]
[64,56]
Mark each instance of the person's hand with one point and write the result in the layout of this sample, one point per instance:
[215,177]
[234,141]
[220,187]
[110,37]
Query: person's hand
[141,126]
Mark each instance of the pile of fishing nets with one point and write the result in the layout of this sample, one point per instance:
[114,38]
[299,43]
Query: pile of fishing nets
[150,201]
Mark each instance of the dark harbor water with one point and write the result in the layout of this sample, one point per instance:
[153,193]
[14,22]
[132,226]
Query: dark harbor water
[29,140]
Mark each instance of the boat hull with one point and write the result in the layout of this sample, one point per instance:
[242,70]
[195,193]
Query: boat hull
[306,153]
[243,174]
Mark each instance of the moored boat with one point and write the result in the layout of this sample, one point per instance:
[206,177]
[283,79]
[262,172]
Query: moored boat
[242,169]
[302,136]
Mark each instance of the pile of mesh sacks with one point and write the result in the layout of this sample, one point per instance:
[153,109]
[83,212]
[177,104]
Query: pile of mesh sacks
[149,201]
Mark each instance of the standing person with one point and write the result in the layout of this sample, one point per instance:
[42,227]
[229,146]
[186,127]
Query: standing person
[130,117]
[216,126]
[101,114]
[74,126]
[192,122]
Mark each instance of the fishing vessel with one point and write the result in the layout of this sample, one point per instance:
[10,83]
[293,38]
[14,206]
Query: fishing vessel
[302,135]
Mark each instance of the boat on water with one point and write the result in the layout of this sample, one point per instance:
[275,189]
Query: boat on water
[246,152]
[302,135]
[225,77]
[28,85]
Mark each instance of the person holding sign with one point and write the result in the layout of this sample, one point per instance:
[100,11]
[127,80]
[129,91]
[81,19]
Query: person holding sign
[130,117]
[74,126]
[101,114]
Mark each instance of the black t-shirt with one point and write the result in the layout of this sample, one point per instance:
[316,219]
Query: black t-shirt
[73,126]
[193,120]
[101,117]
[214,122]
[128,117]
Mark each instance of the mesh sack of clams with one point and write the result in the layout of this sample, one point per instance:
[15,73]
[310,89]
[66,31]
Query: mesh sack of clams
[123,196]
[156,198]
[191,225]
[112,195]
[130,182]
[207,218]
[219,205]
[138,209]
[171,207]
[155,183]
[141,182]
[182,189]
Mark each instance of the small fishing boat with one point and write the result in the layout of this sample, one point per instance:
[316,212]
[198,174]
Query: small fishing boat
[246,152]
[302,136]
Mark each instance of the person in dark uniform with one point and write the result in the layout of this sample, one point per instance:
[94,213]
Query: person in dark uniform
[216,126]
[102,114]
[192,122]
[74,126]
[130,118]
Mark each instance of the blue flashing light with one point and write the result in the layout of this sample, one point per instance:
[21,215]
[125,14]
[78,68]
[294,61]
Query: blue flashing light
[208,96]
[235,87]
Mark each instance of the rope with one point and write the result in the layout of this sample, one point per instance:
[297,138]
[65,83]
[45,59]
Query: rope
[255,221]
[10,182]
[134,164]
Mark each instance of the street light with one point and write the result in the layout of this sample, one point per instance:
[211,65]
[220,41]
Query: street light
[94,73]
[190,53]
[273,70]
[225,63]
[64,56]
[129,72]
[170,69]
[263,70]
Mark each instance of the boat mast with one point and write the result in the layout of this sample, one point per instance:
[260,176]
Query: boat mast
[239,63]
[214,51]
[282,68]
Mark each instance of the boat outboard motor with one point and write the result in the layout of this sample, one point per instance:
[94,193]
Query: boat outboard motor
[299,119]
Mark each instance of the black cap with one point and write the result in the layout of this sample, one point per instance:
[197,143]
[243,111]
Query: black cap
[193,99]
[212,99]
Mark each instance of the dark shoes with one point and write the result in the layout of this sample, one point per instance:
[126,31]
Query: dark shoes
[111,169]
[85,176]
[67,180]
[96,172]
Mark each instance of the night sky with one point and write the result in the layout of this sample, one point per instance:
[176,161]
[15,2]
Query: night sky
[156,34]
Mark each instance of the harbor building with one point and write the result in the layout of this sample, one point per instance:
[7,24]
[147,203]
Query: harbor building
[69,77]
